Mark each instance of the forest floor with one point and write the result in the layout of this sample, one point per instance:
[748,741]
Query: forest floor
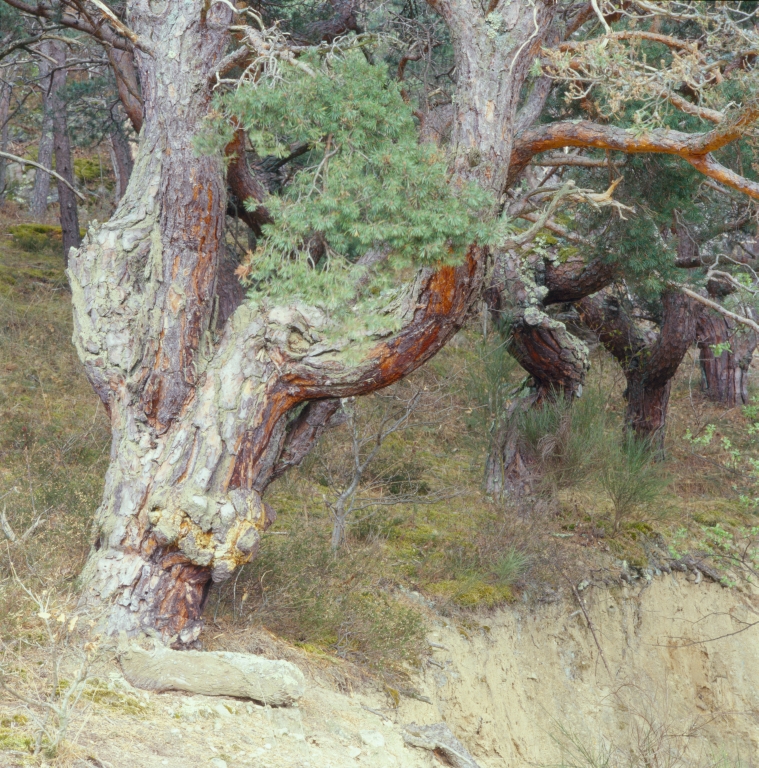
[425,541]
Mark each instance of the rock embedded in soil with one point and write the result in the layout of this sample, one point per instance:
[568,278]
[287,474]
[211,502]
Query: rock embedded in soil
[218,673]
[372,739]
[439,739]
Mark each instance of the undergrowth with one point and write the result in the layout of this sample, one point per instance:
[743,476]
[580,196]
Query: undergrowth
[597,501]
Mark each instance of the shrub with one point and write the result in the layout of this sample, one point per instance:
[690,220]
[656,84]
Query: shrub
[509,568]
[490,384]
[33,238]
[567,439]
[634,481]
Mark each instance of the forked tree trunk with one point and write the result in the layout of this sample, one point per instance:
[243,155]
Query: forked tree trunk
[198,389]
[64,166]
[725,354]
[649,364]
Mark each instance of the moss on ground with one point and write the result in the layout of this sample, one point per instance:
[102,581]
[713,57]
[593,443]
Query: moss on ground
[14,734]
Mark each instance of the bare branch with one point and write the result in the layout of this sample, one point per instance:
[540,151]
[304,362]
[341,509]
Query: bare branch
[121,27]
[24,161]
[72,21]
[717,307]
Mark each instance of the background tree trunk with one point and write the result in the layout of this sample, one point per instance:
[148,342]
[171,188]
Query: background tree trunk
[61,144]
[724,376]
[556,360]
[6,91]
[649,364]
[121,159]
[41,190]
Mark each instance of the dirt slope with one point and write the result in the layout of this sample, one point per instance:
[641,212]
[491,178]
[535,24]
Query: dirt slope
[504,687]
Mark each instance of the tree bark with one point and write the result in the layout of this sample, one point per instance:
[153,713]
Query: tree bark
[41,190]
[556,360]
[121,159]
[127,84]
[491,67]
[69,214]
[724,376]
[507,469]
[649,364]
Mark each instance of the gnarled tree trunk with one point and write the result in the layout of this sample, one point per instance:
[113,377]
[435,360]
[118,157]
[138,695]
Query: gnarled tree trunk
[198,396]
[556,360]
[143,294]
[649,363]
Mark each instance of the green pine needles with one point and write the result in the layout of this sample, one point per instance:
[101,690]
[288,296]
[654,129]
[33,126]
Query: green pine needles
[366,184]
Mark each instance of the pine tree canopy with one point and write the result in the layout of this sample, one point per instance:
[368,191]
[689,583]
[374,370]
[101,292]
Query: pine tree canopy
[367,183]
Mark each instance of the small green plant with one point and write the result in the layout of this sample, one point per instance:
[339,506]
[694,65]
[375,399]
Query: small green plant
[704,439]
[509,568]
[634,482]
[719,349]
[490,386]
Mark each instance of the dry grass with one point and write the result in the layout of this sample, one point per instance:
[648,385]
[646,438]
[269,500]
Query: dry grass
[54,437]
